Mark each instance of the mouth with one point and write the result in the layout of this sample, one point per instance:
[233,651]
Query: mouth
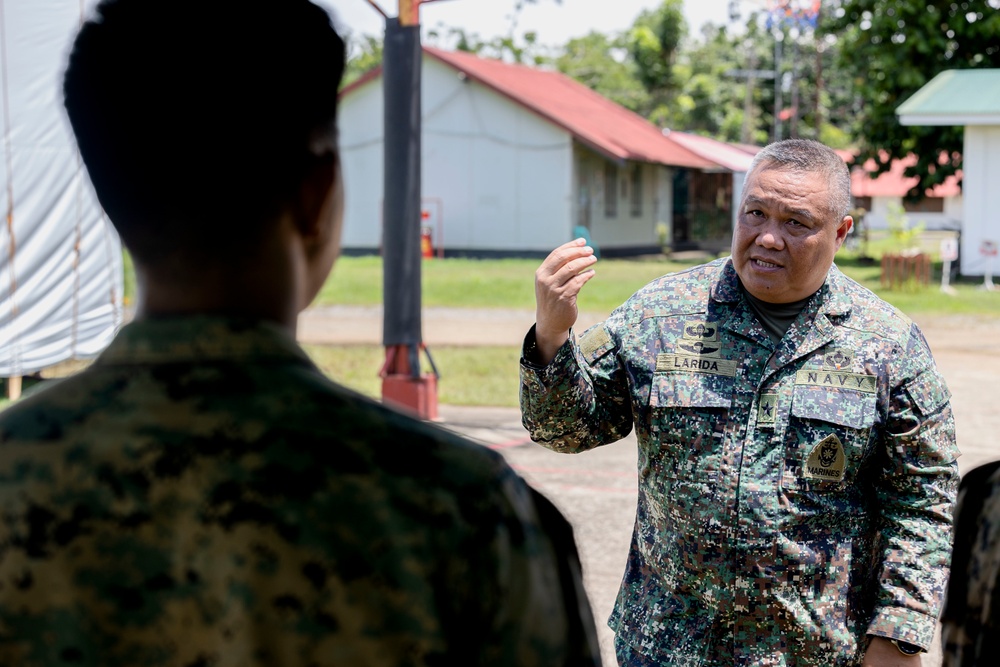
[760,263]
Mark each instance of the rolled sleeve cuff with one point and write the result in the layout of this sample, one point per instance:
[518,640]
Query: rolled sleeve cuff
[904,625]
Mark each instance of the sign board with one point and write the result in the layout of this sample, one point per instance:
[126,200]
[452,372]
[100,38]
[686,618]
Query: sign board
[949,250]
[988,249]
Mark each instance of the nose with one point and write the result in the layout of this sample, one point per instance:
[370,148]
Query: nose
[769,237]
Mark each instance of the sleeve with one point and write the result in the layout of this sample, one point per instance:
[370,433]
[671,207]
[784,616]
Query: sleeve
[538,612]
[581,399]
[968,628]
[916,492]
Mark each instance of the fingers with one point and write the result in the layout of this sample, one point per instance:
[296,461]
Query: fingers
[566,262]
[558,281]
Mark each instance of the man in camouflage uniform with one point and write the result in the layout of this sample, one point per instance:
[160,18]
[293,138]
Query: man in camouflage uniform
[970,624]
[203,495]
[796,443]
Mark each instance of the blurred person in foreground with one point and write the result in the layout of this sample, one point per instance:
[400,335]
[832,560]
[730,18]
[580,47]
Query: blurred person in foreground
[796,443]
[970,624]
[203,494]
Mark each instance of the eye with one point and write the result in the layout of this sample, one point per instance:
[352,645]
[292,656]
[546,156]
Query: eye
[795,223]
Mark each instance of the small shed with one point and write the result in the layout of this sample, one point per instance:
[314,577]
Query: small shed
[515,161]
[970,98]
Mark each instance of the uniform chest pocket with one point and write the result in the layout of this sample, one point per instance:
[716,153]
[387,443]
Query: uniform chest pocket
[827,437]
[688,415]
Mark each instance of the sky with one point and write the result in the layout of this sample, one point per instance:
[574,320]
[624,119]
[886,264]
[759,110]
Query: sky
[555,23]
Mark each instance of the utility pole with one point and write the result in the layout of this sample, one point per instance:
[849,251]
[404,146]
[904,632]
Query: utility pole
[403,383]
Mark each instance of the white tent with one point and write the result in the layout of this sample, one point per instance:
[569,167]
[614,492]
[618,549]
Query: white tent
[60,259]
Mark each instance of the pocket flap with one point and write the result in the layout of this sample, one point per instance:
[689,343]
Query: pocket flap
[845,407]
[691,390]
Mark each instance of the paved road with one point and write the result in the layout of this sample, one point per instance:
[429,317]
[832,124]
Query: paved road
[597,490]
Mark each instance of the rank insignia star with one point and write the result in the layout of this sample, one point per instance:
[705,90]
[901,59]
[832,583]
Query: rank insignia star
[767,409]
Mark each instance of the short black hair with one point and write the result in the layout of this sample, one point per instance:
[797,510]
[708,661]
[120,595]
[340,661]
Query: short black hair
[811,156]
[196,119]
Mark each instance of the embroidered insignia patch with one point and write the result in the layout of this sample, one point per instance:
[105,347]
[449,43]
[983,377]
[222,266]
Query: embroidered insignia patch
[767,409]
[826,460]
[699,348]
[838,380]
[593,340]
[838,360]
[699,330]
[698,364]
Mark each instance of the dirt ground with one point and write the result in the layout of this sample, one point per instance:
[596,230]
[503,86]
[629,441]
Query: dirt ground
[597,490]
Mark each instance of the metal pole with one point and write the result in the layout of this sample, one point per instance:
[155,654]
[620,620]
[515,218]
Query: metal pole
[401,226]
[402,382]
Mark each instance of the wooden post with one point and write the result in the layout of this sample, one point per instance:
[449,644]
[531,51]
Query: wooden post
[14,388]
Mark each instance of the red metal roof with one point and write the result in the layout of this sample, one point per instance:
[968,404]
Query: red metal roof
[592,119]
[894,184]
[729,156]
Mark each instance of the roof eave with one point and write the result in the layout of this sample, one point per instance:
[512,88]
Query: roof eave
[949,119]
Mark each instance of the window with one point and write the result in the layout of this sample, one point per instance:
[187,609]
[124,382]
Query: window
[636,194]
[925,205]
[610,190]
[863,202]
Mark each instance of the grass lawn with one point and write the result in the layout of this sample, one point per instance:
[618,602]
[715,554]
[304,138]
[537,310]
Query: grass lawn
[469,375]
[508,283]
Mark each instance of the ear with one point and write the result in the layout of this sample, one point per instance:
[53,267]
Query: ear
[845,227]
[314,191]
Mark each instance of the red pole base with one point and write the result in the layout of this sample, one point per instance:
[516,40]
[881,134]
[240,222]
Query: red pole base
[417,395]
[402,388]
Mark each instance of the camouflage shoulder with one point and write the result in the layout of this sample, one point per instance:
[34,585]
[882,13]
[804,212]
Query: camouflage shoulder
[679,293]
[872,314]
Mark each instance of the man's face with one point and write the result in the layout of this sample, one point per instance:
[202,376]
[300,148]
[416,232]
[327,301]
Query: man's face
[786,234]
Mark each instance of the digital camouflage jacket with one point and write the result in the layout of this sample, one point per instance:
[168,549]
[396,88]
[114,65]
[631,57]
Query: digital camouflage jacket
[970,624]
[792,498]
[203,496]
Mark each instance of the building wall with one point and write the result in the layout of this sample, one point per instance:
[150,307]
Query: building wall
[496,178]
[981,173]
[621,203]
[881,208]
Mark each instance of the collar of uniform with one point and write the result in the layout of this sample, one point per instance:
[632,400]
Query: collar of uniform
[199,338]
[835,301]
[727,287]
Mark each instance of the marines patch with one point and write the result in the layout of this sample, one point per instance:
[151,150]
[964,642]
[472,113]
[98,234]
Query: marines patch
[837,380]
[767,410]
[826,460]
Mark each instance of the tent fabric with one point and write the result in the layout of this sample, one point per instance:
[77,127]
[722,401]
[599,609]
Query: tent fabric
[60,260]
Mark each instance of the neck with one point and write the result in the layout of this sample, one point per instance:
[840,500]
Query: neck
[262,284]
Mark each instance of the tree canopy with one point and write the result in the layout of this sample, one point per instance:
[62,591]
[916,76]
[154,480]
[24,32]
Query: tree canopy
[890,49]
[758,76]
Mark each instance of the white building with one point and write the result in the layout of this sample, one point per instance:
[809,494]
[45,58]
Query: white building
[940,209]
[970,98]
[515,160]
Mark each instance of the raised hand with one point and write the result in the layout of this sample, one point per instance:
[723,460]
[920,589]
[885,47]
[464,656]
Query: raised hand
[558,281]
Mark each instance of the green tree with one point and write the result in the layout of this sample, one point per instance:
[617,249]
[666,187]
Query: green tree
[891,48]
[364,53]
[602,63]
[653,42]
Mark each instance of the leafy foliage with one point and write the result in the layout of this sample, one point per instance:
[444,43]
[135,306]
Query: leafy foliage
[893,47]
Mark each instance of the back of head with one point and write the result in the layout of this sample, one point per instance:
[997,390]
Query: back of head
[197,119]
[810,156]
